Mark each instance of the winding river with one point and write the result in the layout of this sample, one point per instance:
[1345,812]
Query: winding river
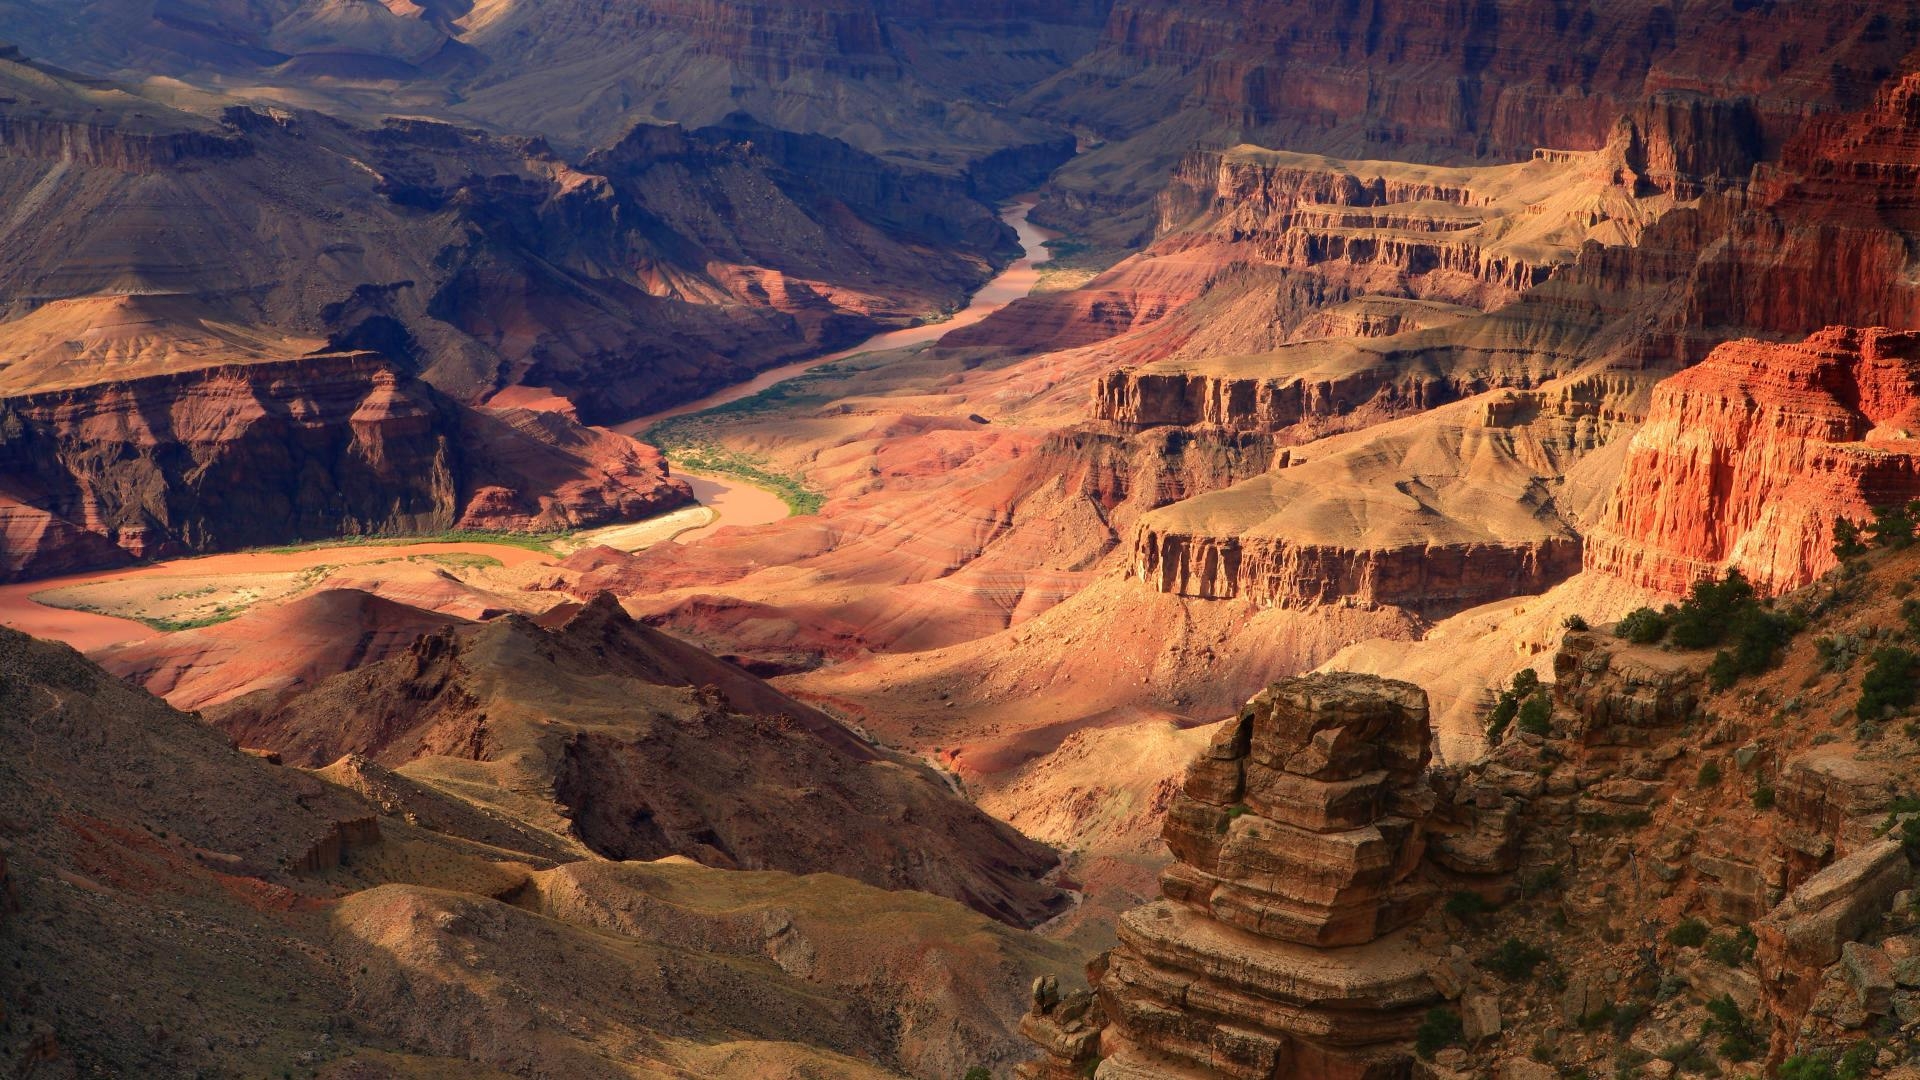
[733,501]
[1016,281]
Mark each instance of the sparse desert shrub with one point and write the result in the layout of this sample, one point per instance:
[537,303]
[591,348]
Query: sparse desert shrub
[1687,934]
[1858,1061]
[1524,686]
[1467,905]
[1440,1029]
[1806,1067]
[1515,959]
[1846,540]
[1708,776]
[1738,1040]
[1889,683]
[1892,526]
[1544,880]
[1536,715]
[1734,949]
[1642,626]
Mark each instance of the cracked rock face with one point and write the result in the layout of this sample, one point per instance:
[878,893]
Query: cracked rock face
[1279,948]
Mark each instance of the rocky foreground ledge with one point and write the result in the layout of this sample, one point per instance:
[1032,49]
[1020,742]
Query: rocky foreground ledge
[1651,874]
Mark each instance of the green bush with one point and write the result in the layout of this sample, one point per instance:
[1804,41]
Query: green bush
[1857,1062]
[1763,796]
[1524,686]
[1910,611]
[1738,1040]
[1514,959]
[1536,716]
[1889,683]
[1806,1067]
[1703,619]
[1440,1029]
[1757,636]
[1718,612]
[978,1072]
[1690,933]
[1467,905]
[1626,1018]
[1544,880]
[1892,526]
[1642,626]
[1733,950]
[1708,776]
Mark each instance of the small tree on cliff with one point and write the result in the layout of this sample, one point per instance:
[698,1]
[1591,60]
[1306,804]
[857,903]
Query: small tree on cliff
[1846,540]
[1892,525]
[1524,687]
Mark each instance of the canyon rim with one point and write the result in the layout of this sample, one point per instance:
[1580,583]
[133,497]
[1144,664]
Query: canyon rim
[1069,540]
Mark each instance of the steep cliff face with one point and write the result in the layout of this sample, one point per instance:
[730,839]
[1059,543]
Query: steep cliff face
[1417,82]
[55,116]
[1254,247]
[278,451]
[1341,523]
[1747,459]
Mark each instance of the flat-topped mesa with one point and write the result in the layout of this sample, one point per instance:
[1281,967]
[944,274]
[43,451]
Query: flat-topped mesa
[1471,235]
[1279,949]
[1747,459]
[50,117]
[1344,527]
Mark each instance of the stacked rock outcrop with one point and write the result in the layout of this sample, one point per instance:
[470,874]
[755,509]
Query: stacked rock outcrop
[1280,948]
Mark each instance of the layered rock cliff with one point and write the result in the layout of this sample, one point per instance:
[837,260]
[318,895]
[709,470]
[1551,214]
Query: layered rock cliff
[1414,82]
[1747,460]
[296,449]
[1651,863]
[922,82]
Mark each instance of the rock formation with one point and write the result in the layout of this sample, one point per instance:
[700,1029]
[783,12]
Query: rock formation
[583,71]
[1747,460]
[294,449]
[646,747]
[280,921]
[1279,949]
[1407,81]
[480,260]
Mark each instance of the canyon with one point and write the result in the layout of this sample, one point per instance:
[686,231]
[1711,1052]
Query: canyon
[1102,538]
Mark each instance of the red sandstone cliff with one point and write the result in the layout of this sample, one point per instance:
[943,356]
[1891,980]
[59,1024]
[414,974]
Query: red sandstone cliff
[1747,459]
[301,449]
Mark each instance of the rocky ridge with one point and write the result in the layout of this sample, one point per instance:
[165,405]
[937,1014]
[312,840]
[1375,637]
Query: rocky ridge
[397,929]
[641,746]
